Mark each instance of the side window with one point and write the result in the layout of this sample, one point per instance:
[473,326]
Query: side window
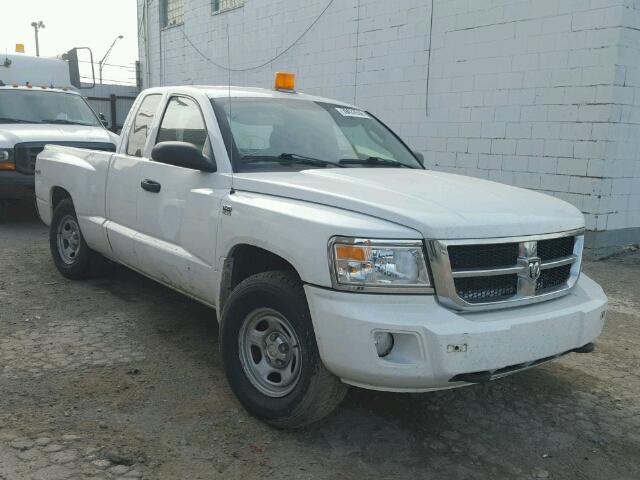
[183,122]
[172,12]
[141,124]
[223,5]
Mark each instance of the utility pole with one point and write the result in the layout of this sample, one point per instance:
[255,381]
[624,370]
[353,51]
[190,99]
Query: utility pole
[37,26]
[106,55]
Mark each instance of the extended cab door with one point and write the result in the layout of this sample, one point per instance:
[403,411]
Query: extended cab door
[178,220]
[123,184]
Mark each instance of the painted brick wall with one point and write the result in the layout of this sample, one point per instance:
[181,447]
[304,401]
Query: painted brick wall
[538,94]
[542,94]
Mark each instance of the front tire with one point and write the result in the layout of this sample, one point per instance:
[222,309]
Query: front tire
[71,254]
[270,355]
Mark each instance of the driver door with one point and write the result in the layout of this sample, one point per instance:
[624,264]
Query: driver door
[178,216]
[122,189]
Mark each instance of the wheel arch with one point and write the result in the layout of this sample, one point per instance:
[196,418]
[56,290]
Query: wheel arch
[244,260]
[58,194]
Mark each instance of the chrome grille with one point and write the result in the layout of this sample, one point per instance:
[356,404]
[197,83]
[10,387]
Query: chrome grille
[553,278]
[482,256]
[555,248]
[25,158]
[483,289]
[499,273]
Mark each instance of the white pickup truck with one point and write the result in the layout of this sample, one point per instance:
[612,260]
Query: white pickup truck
[332,256]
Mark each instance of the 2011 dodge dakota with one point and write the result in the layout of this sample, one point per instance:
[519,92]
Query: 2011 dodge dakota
[332,256]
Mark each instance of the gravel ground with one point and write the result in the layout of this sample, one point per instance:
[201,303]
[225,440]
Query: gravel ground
[120,378]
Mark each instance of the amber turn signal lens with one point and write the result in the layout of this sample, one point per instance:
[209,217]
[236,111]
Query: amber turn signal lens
[285,81]
[7,166]
[351,252]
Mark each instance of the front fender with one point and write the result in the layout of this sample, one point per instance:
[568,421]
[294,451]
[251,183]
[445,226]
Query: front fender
[297,231]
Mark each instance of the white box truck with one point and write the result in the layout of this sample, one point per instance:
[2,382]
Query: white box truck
[38,107]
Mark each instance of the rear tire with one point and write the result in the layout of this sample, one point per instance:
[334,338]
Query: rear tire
[71,254]
[270,355]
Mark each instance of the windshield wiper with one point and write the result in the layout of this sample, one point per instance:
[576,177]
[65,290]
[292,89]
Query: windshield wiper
[386,162]
[14,120]
[289,158]
[65,122]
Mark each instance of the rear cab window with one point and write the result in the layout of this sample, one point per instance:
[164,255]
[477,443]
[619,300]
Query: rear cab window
[142,122]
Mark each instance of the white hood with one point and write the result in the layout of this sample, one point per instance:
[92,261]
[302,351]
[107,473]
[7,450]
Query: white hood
[437,204]
[13,133]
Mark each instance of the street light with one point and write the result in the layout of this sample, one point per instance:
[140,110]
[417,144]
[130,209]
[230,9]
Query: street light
[37,26]
[104,59]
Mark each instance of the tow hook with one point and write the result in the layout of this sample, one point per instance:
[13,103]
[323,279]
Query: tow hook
[588,348]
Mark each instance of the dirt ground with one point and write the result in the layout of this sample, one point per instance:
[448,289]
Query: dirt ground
[120,378]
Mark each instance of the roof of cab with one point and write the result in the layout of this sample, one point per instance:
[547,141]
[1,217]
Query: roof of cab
[222,91]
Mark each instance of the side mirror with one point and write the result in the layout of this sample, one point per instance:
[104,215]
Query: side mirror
[183,154]
[420,157]
[103,119]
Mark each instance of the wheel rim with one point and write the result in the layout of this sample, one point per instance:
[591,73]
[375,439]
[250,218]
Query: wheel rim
[68,236]
[270,352]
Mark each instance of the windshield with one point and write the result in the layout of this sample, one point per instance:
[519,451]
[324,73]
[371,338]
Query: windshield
[33,106]
[284,134]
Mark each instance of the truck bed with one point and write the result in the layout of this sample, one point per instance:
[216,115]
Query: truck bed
[79,173]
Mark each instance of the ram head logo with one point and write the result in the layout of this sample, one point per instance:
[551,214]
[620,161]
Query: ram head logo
[534,269]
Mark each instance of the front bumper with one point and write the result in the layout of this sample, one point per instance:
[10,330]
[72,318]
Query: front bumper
[434,344]
[15,185]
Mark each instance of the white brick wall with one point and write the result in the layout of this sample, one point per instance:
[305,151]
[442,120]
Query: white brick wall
[543,94]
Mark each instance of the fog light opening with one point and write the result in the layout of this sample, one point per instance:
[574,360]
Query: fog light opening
[384,343]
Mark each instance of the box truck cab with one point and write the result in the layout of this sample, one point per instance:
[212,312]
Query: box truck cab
[37,107]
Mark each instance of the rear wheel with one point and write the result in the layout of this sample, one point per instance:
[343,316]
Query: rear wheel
[71,254]
[270,355]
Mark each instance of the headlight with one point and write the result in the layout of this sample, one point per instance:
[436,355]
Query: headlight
[6,159]
[387,266]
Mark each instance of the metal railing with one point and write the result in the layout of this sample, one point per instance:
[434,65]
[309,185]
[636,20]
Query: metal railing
[114,107]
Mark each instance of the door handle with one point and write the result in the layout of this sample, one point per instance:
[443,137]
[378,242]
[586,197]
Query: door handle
[150,186]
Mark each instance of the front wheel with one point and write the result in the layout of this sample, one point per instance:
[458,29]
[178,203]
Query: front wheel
[270,355]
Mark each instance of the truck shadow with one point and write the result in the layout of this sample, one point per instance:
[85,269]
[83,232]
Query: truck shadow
[545,418]
[18,213]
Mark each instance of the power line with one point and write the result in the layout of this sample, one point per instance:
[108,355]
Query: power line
[355,76]
[124,82]
[246,69]
[131,66]
[426,106]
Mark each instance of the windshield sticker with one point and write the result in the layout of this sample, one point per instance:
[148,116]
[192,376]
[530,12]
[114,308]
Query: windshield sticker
[352,112]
